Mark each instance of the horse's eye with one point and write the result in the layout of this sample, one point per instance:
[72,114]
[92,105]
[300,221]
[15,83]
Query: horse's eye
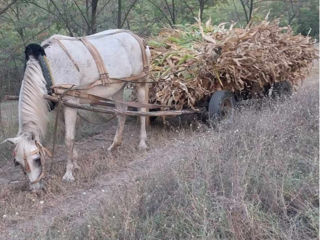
[15,162]
[37,161]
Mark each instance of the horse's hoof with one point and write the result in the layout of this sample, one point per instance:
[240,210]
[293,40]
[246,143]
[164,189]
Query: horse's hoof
[142,146]
[68,177]
[113,147]
[36,187]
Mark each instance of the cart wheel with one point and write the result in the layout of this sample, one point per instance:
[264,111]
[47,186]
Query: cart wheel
[282,89]
[221,105]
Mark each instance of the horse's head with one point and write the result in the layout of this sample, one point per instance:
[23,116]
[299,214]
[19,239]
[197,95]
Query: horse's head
[29,154]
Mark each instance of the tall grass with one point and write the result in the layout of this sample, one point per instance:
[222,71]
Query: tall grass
[255,178]
[8,127]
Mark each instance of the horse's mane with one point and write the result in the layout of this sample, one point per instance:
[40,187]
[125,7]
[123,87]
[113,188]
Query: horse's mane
[33,108]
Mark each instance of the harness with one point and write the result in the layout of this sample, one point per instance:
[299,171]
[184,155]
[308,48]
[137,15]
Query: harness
[71,90]
[43,152]
[104,78]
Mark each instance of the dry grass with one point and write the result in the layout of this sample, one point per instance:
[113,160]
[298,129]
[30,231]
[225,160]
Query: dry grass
[94,161]
[8,127]
[253,178]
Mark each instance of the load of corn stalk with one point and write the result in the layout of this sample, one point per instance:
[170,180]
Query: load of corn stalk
[189,63]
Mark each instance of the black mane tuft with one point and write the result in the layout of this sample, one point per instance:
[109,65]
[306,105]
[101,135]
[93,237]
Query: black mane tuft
[35,50]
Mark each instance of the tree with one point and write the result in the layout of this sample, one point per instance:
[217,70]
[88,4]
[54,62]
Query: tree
[90,18]
[247,6]
[306,20]
[202,4]
[121,9]
[168,10]
[4,9]
[93,23]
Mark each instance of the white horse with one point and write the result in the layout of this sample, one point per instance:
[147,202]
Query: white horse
[122,57]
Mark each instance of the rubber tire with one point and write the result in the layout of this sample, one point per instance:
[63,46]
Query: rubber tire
[216,104]
[282,89]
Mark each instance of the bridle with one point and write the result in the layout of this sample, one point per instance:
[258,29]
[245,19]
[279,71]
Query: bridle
[43,152]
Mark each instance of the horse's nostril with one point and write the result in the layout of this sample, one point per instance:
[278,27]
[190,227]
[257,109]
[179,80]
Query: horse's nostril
[37,161]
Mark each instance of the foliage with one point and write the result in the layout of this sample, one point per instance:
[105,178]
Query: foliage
[26,21]
[308,22]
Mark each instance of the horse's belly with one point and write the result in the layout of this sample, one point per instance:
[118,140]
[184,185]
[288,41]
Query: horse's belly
[106,91]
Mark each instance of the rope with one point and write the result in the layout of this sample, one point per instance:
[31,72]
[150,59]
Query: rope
[60,103]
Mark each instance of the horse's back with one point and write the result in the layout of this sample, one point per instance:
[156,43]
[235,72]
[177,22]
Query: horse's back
[120,52]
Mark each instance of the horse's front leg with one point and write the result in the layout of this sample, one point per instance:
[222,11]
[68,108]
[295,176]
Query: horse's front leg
[121,120]
[142,94]
[70,116]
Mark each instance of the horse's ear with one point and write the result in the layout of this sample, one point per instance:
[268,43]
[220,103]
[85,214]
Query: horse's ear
[35,50]
[28,52]
[11,140]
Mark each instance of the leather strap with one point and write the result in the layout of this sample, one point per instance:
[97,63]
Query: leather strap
[143,52]
[68,54]
[104,76]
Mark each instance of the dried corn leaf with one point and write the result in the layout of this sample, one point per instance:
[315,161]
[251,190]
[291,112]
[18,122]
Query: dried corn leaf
[190,63]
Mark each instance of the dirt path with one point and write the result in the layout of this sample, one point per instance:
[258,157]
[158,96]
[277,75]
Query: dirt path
[80,202]
[100,174]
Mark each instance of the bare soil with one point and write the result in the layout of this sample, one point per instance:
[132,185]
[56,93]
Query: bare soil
[27,215]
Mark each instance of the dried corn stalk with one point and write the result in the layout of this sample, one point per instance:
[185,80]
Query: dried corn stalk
[188,68]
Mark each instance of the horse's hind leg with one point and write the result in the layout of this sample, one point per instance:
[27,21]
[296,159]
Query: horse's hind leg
[142,94]
[121,120]
[70,116]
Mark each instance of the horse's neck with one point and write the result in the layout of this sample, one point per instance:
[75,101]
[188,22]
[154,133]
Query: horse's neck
[33,108]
